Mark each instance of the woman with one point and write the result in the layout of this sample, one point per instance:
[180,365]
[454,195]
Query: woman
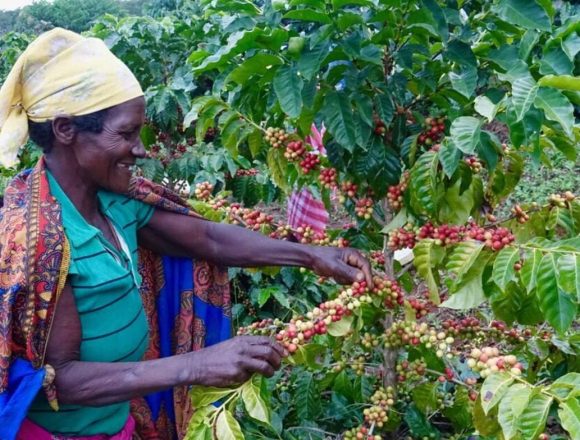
[72,316]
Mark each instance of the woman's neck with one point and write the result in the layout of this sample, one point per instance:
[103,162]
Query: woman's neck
[82,195]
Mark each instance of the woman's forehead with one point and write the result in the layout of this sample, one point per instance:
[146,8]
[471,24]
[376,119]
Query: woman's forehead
[130,112]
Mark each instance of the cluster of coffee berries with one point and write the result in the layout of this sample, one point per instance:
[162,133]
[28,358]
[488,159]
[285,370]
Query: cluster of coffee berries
[465,326]
[348,189]
[218,202]
[382,401]
[433,132]
[255,219]
[395,192]
[310,162]
[500,329]
[360,433]
[210,134]
[390,291]
[408,334]
[295,150]
[250,172]
[380,128]
[487,360]
[473,163]
[203,190]
[369,341]
[276,136]
[410,370]
[328,177]
[265,327]
[520,215]
[559,200]
[282,232]
[364,208]
[154,151]
[421,307]
[234,213]
[494,238]
[443,234]
[340,242]
[378,258]
[401,238]
[358,365]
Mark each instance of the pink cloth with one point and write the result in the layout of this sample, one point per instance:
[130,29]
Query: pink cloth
[31,431]
[303,208]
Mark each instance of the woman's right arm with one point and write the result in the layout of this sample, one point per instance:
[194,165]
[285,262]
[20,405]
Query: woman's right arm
[100,383]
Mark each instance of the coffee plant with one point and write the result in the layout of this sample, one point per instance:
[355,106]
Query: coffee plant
[432,111]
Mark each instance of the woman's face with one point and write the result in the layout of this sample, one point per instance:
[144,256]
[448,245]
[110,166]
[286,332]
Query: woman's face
[107,159]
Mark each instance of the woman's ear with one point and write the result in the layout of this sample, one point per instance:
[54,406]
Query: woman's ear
[64,130]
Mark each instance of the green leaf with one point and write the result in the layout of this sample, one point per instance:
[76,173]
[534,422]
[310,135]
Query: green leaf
[419,425]
[525,13]
[529,270]
[307,397]
[308,15]
[524,92]
[426,258]
[425,397]
[439,18]
[337,115]
[566,386]
[556,62]
[255,142]
[399,221]
[199,427]
[460,412]
[464,81]
[341,327]
[277,167]
[449,157]
[423,183]
[258,64]
[569,413]
[557,108]
[529,41]
[486,424]
[203,396]
[465,133]
[256,406]
[569,274]
[227,427]
[469,295]
[511,407]
[485,107]
[311,59]
[562,82]
[533,418]
[503,267]
[385,107]
[462,258]
[493,389]
[557,305]
[196,107]
[288,87]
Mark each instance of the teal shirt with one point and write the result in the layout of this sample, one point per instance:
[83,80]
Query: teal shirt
[105,284]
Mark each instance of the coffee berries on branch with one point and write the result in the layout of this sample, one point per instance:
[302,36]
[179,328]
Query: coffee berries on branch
[275,136]
[364,208]
[203,191]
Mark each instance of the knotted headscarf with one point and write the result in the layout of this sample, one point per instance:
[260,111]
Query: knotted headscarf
[61,73]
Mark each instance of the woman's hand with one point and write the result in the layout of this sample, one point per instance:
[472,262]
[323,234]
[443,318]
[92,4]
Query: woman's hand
[234,361]
[345,265]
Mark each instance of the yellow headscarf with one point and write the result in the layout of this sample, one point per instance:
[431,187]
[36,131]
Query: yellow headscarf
[60,73]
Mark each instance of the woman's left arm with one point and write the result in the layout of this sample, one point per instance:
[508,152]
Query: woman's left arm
[229,245]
